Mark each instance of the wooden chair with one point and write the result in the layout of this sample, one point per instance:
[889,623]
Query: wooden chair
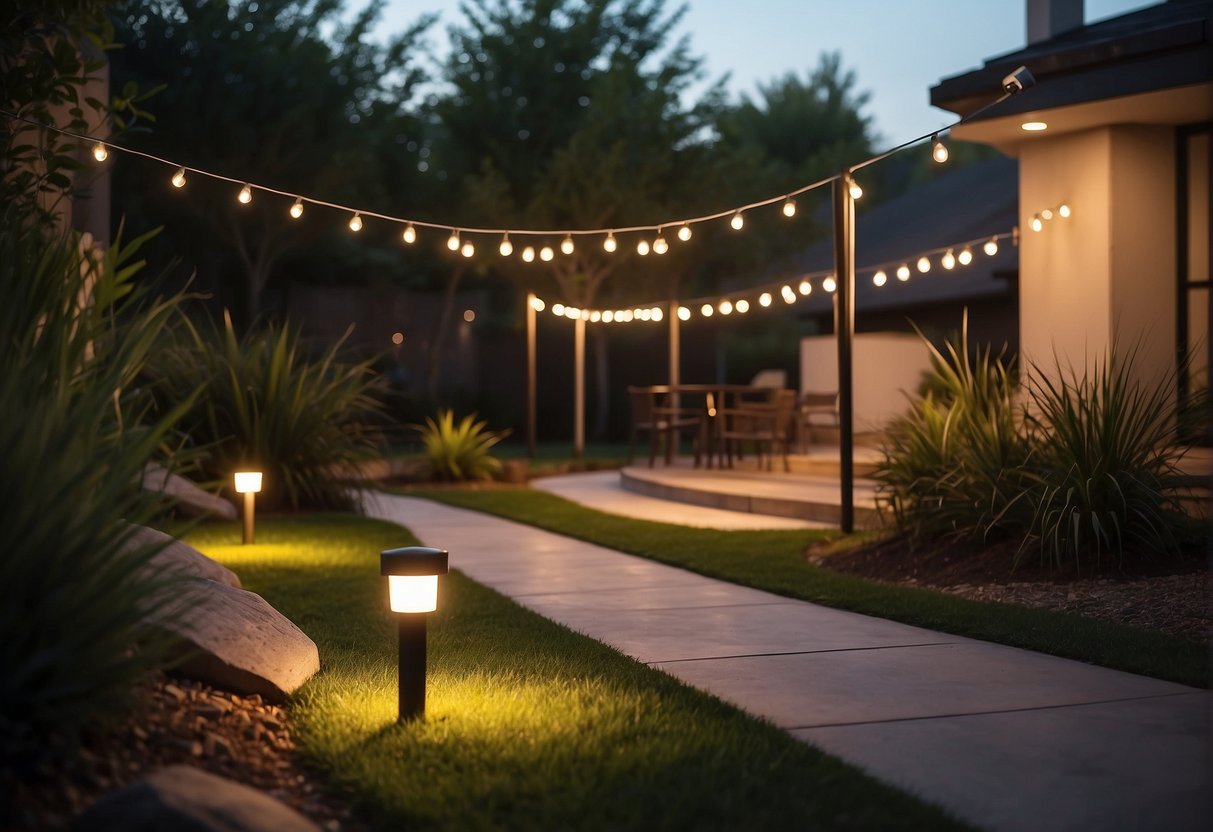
[816,408]
[764,421]
[654,412]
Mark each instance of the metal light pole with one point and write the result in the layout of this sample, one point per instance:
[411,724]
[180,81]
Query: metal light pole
[844,329]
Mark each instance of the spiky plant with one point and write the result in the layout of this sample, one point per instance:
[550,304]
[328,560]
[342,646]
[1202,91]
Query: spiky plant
[459,451]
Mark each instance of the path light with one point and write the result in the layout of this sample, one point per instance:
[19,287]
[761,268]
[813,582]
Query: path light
[248,483]
[412,593]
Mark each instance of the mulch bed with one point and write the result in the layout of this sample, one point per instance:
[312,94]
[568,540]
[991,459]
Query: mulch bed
[1170,595]
[177,721]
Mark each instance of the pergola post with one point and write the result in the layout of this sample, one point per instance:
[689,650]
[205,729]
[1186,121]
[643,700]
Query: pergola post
[531,374]
[675,344]
[579,387]
[844,329]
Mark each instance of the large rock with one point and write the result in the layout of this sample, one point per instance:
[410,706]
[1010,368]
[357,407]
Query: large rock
[179,559]
[186,799]
[234,640]
[188,498]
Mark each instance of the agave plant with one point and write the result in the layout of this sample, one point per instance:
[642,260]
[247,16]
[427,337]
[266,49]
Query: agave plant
[458,452]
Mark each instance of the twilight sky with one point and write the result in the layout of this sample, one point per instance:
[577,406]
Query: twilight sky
[898,48]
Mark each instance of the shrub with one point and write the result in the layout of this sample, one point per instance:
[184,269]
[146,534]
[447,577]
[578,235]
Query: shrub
[74,436]
[460,451]
[1104,474]
[266,404]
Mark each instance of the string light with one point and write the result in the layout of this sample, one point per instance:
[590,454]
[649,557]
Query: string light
[297,209]
[829,284]
[1046,214]
[356,223]
[656,314]
[764,300]
[742,306]
[468,249]
[924,265]
[452,242]
[684,233]
[528,254]
[805,287]
[595,316]
[737,222]
[609,244]
[546,254]
[965,257]
[558,309]
[684,313]
[659,245]
[1037,223]
[789,207]
[948,261]
[788,295]
[1063,211]
[642,248]
[246,194]
[903,272]
[706,310]
[537,303]
[179,178]
[726,307]
[880,278]
[853,187]
[939,150]
[507,248]
[991,247]
[99,152]
[566,245]
[608,316]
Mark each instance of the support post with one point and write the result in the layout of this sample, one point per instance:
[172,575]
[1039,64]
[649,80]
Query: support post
[844,329]
[579,388]
[249,499]
[411,682]
[531,374]
[675,344]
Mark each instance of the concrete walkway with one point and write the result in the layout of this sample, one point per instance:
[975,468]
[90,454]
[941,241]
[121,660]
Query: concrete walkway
[1004,738]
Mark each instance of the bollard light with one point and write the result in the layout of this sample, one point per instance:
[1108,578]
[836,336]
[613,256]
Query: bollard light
[248,483]
[412,575]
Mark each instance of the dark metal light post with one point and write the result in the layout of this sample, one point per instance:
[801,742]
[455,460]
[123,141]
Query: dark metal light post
[844,329]
[413,593]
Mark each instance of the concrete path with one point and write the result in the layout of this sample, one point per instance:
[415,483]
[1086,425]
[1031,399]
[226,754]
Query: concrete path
[1004,738]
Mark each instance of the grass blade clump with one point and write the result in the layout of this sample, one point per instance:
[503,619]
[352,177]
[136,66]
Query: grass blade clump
[459,451]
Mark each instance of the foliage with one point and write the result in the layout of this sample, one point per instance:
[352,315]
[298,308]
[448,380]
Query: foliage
[954,462]
[458,452]
[527,723]
[75,434]
[1105,475]
[290,93]
[267,404]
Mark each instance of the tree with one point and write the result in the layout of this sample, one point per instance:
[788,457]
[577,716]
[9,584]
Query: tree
[285,93]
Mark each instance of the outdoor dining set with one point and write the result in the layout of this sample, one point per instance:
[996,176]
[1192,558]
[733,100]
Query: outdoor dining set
[723,421]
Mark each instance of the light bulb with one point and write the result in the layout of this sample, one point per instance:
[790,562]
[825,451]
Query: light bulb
[660,246]
[805,287]
[297,209]
[566,245]
[788,295]
[737,222]
[625,316]
[764,299]
[657,314]
[100,153]
[1037,223]
[645,314]
[528,255]
[179,178]
[506,248]
[558,309]
[829,284]
[356,222]
[1046,214]
[924,265]
[706,310]
[684,313]
[537,304]
[903,272]
[939,150]
[546,254]
[742,306]
[642,248]
[468,249]
[609,243]
[1063,211]
[965,257]
[949,260]
[409,235]
[789,208]
[595,316]
[880,278]
[452,242]
[853,187]
[726,307]
[684,233]
[608,316]
[246,194]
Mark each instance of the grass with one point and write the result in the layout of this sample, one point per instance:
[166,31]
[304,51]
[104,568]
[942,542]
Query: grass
[774,561]
[529,725]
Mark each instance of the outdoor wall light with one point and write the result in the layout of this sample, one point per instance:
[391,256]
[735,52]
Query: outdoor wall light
[248,483]
[412,576]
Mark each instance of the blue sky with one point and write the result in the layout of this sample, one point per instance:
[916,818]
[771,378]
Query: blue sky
[898,48]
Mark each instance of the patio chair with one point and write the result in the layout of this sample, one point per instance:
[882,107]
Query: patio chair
[817,408]
[653,412]
[765,423]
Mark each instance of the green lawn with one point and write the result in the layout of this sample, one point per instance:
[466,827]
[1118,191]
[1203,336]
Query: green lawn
[529,725]
[773,561]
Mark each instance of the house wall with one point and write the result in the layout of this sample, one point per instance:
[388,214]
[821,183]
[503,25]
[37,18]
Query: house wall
[1107,274]
[887,365]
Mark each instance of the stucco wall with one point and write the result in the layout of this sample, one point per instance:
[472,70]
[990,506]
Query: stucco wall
[887,365]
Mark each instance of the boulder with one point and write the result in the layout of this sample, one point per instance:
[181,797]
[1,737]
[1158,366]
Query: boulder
[233,639]
[180,559]
[186,799]
[188,498]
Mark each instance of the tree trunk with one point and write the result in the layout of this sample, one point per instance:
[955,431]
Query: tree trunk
[602,382]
